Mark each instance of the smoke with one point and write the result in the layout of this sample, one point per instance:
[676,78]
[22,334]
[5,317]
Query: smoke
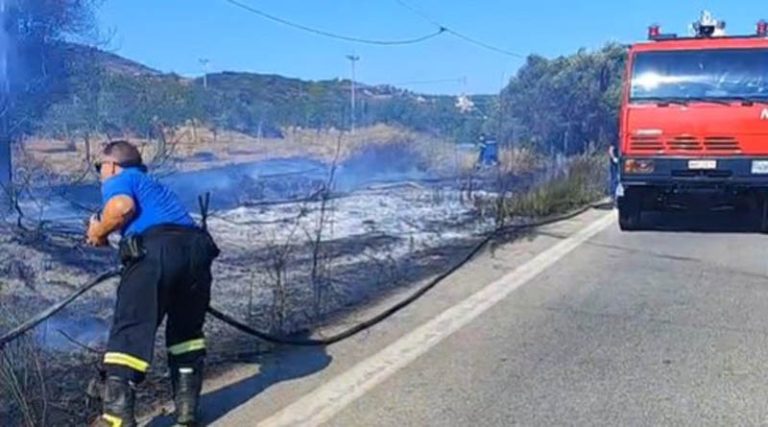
[86,330]
[6,51]
[271,180]
[381,164]
[6,48]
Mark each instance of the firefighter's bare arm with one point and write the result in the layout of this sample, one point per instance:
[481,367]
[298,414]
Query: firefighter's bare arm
[612,154]
[118,211]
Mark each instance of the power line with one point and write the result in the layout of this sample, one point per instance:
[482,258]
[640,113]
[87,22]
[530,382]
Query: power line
[485,45]
[334,35]
[455,33]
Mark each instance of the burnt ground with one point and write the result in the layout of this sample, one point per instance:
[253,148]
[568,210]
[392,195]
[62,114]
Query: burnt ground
[273,274]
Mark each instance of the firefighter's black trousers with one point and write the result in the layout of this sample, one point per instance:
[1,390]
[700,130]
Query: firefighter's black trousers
[173,278]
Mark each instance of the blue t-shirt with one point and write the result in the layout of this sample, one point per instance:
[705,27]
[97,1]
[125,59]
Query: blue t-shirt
[155,203]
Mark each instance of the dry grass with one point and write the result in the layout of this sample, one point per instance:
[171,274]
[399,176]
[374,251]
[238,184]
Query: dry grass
[199,147]
[195,147]
[518,161]
[463,161]
[580,183]
[22,381]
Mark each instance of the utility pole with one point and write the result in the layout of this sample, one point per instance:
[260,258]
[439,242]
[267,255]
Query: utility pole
[204,62]
[353,59]
[500,100]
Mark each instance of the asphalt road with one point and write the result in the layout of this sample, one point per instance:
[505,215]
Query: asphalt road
[647,328]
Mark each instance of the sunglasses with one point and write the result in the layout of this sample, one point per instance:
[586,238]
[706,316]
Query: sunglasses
[99,164]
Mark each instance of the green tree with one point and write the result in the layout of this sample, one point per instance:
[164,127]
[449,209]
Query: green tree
[564,104]
[41,63]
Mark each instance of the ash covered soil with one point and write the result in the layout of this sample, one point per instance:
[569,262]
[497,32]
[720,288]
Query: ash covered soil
[371,240]
[272,274]
[294,257]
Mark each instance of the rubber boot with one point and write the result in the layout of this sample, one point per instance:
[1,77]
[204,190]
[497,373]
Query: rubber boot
[187,382]
[118,402]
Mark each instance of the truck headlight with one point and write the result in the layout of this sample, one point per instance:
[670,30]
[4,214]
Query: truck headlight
[760,166]
[639,166]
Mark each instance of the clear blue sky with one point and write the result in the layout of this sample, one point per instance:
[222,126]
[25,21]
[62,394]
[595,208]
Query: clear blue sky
[171,35]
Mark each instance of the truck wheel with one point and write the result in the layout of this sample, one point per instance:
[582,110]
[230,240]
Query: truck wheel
[763,214]
[630,211]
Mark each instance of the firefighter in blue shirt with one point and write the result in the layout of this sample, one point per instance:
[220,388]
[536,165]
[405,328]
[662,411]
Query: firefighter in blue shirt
[167,272]
[489,151]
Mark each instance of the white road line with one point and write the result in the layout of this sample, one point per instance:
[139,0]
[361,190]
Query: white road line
[323,403]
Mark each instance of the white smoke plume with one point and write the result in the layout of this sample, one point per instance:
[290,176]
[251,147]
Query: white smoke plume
[5,47]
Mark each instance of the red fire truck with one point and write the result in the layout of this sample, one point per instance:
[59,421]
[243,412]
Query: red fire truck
[694,123]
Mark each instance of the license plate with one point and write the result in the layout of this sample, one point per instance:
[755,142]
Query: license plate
[760,167]
[702,164]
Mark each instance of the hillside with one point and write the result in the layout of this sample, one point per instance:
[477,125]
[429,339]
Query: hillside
[110,94]
[564,104]
[109,61]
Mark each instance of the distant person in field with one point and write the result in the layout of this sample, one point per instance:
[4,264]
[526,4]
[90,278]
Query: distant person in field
[167,272]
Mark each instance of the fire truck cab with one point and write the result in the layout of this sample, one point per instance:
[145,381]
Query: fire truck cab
[694,123]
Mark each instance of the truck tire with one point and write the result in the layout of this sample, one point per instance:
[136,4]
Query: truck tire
[763,209]
[630,211]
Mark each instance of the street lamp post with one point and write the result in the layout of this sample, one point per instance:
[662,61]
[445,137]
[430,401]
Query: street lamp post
[204,62]
[353,59]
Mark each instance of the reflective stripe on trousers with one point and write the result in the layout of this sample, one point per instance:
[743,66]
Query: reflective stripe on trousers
[112,420]
[187,347]
[122,359]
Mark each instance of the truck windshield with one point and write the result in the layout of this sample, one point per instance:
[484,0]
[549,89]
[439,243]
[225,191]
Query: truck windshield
[700,75]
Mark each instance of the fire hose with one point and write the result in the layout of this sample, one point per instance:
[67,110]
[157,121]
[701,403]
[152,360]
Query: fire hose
[304,342]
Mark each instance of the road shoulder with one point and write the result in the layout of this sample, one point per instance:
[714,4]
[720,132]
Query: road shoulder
[254,391]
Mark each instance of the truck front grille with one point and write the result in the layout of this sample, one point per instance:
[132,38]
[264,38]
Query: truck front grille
[646,144]
[684,143]
[722,144]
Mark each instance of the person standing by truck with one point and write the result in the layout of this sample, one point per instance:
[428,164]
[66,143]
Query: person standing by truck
[613,158]
[167,272]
